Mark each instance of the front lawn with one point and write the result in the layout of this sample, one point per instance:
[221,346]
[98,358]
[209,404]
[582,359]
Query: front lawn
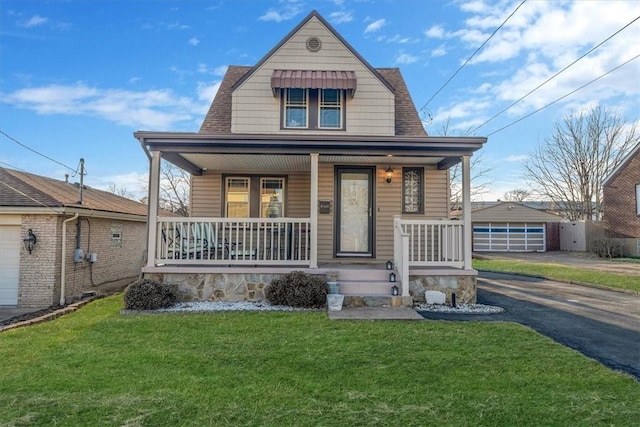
[560,272]
[97,367]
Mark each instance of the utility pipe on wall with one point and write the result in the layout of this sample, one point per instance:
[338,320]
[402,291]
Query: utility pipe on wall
[63,273]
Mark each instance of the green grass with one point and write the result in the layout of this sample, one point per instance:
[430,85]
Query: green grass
[97,367]
[560,272]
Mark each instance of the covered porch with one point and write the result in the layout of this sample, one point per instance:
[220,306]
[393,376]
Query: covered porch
[222,246]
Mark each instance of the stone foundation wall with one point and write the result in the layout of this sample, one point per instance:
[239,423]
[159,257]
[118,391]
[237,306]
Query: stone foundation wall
[463,286]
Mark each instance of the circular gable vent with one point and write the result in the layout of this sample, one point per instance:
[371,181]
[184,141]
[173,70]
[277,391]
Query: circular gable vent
[314,44]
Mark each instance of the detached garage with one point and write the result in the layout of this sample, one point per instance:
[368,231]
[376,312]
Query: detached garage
[511,227]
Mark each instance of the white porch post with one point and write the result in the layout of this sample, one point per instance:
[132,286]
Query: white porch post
[313,262]
[154,194]
[466,210]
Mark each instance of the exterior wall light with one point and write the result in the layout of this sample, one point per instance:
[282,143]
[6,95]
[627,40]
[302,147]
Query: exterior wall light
[389,265]
[29,241]
[389,174]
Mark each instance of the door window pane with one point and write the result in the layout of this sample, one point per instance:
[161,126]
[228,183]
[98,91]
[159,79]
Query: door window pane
[354,212]
[237,198]
[271,197]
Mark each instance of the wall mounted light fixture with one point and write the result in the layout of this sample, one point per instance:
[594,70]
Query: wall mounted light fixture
[29,241]
[389,174]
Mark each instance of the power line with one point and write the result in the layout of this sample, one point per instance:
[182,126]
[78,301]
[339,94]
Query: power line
[12,166]
[38,153]
[558,73]
[474,53]
[564,96]
[28,197]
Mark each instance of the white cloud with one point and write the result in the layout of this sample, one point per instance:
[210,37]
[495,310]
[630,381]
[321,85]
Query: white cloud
[401,40]
[289,10]
[405,58]
[340,17]
[207,91]
[435,32]
[375,26]
[439,51]
[194,41]
[152,109]
[34,21]
[133,182]
[516,158]
[220,71]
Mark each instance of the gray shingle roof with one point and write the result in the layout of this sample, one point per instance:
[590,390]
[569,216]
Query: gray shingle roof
[21,189]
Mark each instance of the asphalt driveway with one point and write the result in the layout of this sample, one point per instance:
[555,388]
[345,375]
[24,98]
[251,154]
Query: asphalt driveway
[601,324]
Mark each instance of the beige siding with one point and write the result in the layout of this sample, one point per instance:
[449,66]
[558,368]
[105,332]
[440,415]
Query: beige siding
[298,200]
[512,212]
[205,195]
[325,221]
[436,194]
[256,110]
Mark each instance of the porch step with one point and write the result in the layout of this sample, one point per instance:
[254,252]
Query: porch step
[366,287]
[377,301]
[369,273]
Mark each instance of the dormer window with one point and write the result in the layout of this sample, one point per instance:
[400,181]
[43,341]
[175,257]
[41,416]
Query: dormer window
[313,99]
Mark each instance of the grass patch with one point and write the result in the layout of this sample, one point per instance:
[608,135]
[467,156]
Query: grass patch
[560,272]
[96,367]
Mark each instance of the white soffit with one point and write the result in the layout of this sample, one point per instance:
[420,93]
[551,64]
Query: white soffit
[294,163]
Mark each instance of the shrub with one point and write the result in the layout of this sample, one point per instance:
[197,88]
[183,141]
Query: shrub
[606,247]
[297,289]
[145,294]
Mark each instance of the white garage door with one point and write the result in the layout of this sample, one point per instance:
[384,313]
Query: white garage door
[10,245]
[509,237]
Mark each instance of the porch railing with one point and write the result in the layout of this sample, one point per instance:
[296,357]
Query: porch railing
[426,243]
[237,241]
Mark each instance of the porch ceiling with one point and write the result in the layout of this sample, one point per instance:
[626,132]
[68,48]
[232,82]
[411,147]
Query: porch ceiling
[234,162]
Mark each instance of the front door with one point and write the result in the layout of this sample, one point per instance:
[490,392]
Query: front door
[354,211]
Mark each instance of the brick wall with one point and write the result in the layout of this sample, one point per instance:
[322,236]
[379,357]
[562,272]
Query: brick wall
[553,236]
[119,261]
[619,196]
[40,270]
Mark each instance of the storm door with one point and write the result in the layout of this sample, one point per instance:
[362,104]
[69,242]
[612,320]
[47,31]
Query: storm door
[354,219]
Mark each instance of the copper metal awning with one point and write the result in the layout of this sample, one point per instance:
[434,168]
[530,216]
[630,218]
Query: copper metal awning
[314,79]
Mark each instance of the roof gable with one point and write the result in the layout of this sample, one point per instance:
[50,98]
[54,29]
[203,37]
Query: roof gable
[21,189]
[313,16]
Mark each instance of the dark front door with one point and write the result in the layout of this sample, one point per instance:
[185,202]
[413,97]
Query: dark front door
[354,219]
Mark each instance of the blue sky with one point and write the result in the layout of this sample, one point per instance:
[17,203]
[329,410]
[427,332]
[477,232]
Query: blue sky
[77,78]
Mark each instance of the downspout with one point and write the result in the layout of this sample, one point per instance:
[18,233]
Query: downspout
[63,277]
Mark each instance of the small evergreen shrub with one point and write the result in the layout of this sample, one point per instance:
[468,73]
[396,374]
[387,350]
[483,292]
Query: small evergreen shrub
[606,247]
[297,289]
[145,294]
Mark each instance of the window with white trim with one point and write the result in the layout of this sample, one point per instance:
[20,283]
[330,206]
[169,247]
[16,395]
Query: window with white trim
[330,108]
[296,108]
[237,197]
[271,197]
[254,196]
[313,108]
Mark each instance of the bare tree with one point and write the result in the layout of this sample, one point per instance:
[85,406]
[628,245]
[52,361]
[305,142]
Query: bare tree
[480,182]
[120,191]
[174,188]
[517,195]
[569,166]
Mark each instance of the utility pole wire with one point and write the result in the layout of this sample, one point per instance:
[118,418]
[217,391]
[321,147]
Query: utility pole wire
[558,73]
[29,197]
[564,96]
[472,55]
[38,153]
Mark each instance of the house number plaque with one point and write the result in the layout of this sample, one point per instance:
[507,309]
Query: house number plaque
[324,206]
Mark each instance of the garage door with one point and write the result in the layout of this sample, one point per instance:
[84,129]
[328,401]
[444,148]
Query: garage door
[10,245]
[509,237]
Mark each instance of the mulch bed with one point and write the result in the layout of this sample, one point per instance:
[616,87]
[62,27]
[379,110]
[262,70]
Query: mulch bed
[44,315]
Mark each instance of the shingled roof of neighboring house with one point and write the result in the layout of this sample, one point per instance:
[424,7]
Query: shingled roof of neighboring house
[218,119]
[21,189]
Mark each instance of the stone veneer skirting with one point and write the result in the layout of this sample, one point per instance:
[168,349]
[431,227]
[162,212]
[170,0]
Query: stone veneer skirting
[234,287]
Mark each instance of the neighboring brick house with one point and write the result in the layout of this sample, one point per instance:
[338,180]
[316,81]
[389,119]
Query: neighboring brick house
[313,160]
[621,200]
[111,227]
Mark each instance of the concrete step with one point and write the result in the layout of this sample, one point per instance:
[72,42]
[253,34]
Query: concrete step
[377,301]
[375,273]
[366,287]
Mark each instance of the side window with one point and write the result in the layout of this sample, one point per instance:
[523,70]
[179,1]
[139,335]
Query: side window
[237,197]
[296,107]
[271,197]
[330,108]
[412,190]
